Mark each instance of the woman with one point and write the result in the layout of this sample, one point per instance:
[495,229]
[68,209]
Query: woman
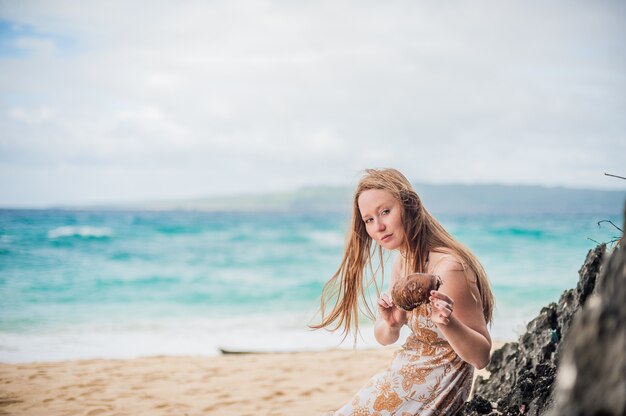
[432,373]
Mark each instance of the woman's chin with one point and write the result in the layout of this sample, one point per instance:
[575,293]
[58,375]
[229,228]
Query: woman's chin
[389,245]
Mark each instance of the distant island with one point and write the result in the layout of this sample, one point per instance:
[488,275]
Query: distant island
[439,199]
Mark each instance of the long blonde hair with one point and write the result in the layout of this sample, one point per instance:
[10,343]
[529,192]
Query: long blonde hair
[423,233]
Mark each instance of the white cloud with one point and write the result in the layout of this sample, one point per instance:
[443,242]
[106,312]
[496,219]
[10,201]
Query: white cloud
[301,93]
[35,46]
[31,116]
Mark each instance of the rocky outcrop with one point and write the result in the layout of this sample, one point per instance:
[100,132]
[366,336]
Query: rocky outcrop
[523,373]
[572,358]
[592,375]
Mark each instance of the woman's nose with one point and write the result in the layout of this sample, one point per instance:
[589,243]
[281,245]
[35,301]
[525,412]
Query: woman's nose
[380,226]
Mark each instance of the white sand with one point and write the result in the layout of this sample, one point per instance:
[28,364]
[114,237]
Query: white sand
[306,383]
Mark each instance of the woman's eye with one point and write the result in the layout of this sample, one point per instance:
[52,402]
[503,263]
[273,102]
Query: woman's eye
[368,220]
[385,212]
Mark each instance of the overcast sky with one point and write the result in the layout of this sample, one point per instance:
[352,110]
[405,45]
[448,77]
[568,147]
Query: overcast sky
[104,101]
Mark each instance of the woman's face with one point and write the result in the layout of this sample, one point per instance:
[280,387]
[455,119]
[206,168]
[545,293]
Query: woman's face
[382,215]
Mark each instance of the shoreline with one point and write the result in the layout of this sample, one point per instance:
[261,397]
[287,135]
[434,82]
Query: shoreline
[284,383]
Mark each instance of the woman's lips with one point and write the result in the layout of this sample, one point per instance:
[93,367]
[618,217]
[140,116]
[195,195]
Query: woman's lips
[386,237]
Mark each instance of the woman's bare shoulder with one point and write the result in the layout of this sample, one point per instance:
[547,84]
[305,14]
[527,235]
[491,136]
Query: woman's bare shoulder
[450,267]
[443,258]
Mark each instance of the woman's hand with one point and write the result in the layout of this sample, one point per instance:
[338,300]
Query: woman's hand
[390,313]
[441,307]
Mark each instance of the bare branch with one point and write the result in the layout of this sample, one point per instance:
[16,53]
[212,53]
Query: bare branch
[615,176]
[610,222]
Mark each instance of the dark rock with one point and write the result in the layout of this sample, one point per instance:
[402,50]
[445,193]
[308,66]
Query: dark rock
[503,369]
[592,376]
[582,339]
[572,300]
[587,281]
[478,406]
[523,373]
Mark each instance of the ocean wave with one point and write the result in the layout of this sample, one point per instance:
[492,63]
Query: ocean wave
[126,337]
[327,238]
[84,231]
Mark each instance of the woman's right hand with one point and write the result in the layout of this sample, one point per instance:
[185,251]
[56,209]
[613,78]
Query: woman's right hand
[390,313]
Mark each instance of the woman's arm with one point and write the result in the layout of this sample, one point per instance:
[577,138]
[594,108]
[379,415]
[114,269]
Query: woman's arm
[390,321]
[456,309]
[390,318]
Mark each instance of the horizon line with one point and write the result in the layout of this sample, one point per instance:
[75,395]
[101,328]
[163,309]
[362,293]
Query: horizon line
[173,199]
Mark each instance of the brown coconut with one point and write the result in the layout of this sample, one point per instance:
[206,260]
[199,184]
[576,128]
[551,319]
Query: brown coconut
[414,290]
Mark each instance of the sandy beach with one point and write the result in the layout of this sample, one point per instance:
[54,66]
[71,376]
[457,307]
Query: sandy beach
[304,383]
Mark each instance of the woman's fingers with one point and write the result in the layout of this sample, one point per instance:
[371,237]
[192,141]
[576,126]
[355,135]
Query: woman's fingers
[440,318]
[446,308]
[442,307]
[441,300]
[385,301]
[388,299]
[441,296]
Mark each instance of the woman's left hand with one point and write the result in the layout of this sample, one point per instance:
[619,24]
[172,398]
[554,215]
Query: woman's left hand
[441,307]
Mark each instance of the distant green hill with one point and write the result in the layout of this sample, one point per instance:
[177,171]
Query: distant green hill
[439,199]
[458,199]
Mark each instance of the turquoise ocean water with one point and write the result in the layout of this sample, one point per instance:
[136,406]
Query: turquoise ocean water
[86,284]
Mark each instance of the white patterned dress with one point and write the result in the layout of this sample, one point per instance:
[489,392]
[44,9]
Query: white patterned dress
[426,377]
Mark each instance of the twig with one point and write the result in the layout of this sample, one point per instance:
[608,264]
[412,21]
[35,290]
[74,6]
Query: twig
[615,176]
[610,222]
[614,240]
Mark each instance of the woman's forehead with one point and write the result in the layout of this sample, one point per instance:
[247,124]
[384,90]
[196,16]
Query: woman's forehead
[372,199]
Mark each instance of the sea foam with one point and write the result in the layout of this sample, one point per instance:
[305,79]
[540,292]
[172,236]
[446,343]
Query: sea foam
[80,231]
